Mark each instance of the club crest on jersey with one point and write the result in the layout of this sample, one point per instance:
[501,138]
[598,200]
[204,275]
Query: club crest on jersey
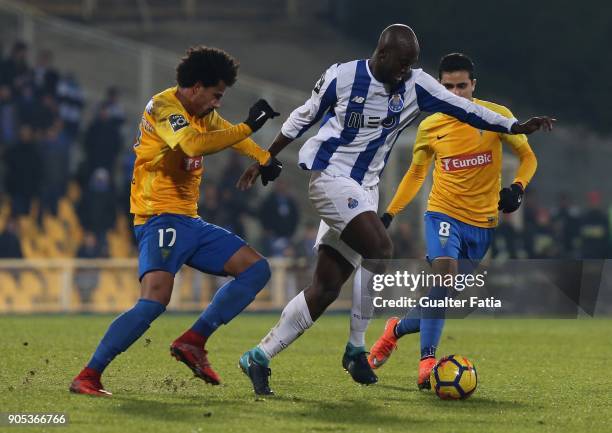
[352,203]
[396,103]
[177,121]
[165,252]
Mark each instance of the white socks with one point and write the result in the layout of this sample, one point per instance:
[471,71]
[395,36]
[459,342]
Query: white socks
[294,320]
[361,310]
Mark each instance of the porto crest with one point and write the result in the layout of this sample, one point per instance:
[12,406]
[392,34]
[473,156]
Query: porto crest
[396,103]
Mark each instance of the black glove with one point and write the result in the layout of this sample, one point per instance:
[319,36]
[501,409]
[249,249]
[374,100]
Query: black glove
[270,171]
[386,219]
[510,198]
[259,113]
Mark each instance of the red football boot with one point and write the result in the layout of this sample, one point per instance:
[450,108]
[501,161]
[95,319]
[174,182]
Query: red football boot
[425,367]
[195,357]
[88,382]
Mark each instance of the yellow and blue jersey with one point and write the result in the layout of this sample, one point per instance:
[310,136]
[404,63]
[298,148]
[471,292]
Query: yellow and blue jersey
[169,155]
[467,170]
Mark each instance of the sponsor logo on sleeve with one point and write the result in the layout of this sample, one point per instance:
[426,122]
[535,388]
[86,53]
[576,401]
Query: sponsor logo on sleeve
[177,121]
[464,162]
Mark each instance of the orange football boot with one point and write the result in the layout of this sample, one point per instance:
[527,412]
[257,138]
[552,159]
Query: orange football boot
[425,367]
[385,345]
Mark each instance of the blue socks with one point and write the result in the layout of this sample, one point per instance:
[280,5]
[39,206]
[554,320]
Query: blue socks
[232,298]
[432,323]
[410,323]
[429,321]
[229,300]
[124,331]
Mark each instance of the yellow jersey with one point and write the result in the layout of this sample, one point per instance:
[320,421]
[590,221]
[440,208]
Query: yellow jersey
[169,155]
[467,171]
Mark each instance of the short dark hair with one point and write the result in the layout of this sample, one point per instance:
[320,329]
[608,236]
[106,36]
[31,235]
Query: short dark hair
[456,62]
[208,66]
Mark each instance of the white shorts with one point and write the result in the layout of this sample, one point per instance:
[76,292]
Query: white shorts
[339,199]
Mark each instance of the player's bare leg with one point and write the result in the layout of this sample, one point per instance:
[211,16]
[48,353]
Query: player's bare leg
[251,273]
[367,236]
[156,289]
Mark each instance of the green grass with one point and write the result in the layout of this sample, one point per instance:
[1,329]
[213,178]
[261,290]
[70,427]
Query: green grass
[535,376]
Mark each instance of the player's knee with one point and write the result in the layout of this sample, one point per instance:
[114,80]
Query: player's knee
[157,288]
[381,249]
[444,266]
[256,276]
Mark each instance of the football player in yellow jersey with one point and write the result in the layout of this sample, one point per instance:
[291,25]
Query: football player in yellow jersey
[178,127]
[463,205]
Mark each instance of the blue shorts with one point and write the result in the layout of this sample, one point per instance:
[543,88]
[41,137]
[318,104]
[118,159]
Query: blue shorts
[167,241]
[449,237]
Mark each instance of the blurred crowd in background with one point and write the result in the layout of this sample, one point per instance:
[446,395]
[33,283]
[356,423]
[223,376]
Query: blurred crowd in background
[48,149]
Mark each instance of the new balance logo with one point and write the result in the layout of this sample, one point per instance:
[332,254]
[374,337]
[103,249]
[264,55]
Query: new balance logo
[358,100]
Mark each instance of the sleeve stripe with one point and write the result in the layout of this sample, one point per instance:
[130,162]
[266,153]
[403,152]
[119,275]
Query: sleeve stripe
[428,102]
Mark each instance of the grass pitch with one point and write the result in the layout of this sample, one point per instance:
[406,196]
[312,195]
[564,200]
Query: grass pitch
[534,376]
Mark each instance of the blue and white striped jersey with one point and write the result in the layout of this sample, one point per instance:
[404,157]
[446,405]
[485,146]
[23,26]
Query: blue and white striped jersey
[362,119]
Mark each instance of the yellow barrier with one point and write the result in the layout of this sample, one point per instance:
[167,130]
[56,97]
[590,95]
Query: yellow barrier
[111,285]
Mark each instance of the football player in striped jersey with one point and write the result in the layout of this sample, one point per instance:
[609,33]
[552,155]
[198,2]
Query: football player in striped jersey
[362,107]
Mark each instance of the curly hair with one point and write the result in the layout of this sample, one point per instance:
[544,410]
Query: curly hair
[208,66]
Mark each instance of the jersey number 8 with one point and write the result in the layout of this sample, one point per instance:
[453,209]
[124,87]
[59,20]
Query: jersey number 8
[444,229]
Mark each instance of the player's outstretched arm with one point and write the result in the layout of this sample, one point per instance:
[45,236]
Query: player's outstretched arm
[268,172]
[323,97]
[432,97]
[195,143]
[534,124]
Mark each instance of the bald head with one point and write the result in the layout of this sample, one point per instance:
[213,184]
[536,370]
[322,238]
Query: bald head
[396,52]
[397,36]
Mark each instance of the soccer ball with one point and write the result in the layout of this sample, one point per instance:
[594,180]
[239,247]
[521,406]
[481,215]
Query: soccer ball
[454,377]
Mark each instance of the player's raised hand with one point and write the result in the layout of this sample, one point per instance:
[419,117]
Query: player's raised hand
[249,177]
[259,113]
[534,124]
